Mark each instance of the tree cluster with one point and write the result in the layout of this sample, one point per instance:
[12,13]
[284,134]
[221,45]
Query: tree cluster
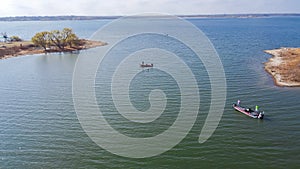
[56,38]
[15,39]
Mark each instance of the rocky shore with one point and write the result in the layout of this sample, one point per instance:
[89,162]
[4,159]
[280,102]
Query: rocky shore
[284,66]
[14,49]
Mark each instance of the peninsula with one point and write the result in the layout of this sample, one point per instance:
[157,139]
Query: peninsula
[284,66]
[14,49]
[45,42]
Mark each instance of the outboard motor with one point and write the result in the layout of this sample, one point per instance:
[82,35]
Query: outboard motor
[260,115]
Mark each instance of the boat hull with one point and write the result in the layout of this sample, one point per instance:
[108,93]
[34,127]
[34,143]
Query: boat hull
[146,66]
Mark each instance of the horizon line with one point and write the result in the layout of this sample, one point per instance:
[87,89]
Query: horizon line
[266,13]
[95,17]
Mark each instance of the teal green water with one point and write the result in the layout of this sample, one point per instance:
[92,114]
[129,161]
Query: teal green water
[39,127]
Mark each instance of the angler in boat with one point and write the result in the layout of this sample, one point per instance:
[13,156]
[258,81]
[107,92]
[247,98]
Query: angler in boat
[257,114]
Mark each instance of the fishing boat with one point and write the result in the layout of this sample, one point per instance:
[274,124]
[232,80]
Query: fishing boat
[256,114]
[146,65]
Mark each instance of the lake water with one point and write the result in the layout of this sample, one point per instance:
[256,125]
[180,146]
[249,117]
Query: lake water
[39,127]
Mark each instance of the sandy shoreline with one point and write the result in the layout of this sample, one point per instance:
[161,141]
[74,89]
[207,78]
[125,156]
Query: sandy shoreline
[284,66]
[15,49]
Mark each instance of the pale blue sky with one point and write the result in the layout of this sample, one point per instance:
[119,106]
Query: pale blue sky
[129,7]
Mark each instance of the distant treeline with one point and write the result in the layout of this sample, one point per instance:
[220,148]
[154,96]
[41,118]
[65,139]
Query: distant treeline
[55,18]
[73,17]
[242,15]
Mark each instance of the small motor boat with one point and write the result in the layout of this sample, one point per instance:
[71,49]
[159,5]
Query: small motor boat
[146,65]
[256,114]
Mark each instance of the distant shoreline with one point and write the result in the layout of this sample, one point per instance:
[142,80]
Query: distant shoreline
[284,66]
[74,17]
[15,49]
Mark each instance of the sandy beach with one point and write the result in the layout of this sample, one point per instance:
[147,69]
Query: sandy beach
[14,49]
[284,66]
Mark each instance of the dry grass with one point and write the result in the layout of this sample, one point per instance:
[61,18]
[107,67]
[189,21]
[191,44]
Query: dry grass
[289,68]
[291,64]
[12,44]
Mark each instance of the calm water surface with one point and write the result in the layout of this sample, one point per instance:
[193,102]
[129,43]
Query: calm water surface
[39,127]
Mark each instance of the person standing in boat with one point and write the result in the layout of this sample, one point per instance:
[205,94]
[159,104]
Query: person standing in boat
[256,108]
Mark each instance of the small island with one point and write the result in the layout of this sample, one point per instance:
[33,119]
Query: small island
[284,66]
[45,42]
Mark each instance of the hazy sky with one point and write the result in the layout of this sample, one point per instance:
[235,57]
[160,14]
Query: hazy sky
[129,7]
